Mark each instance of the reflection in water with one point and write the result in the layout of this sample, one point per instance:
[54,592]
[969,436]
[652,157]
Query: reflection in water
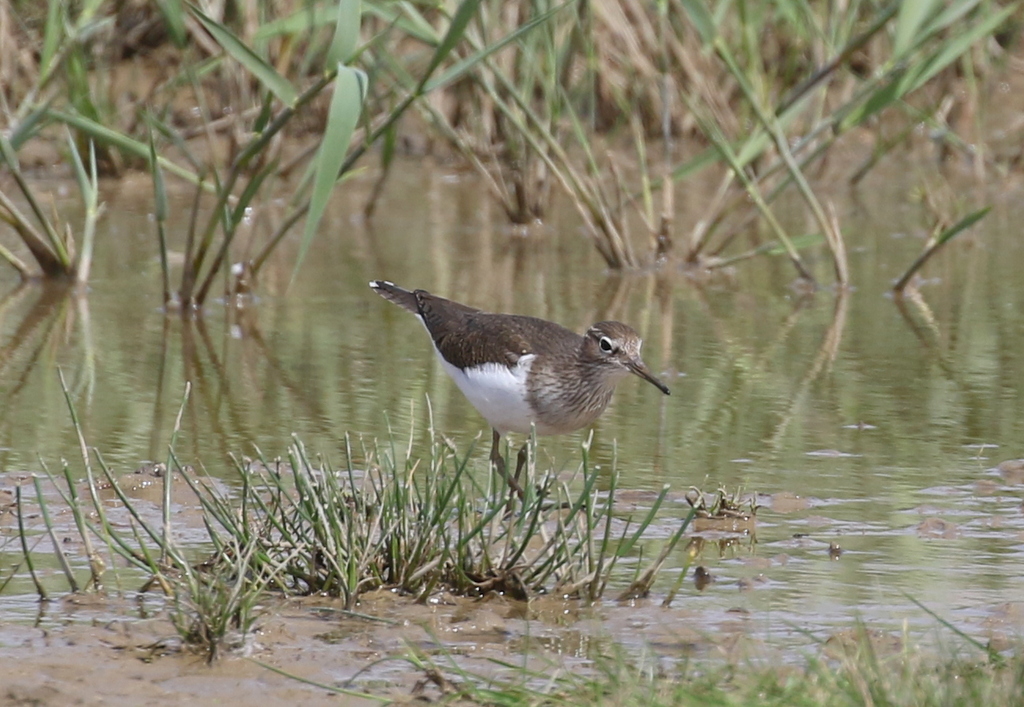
[760,377]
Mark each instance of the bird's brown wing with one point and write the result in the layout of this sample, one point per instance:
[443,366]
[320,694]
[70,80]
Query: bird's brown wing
[468,338]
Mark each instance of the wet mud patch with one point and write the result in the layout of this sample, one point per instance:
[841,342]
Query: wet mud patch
[132,660]
[810,567]
[123,663]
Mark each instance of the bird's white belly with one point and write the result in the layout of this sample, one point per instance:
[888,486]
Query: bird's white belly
[498,393]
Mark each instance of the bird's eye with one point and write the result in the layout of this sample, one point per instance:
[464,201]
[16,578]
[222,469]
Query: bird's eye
[606,344]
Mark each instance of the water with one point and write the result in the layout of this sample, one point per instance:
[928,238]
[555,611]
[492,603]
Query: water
[858,421]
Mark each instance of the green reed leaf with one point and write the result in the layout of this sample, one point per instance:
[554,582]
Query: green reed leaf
[305,19]
[346,107]
[108,136]
[962,225]
[240,52]
[160,213]
[84,186]
[463,66]
[909,21]
[346,32]
[406,18]
[702,20]
[53,35]
[456,28]
[919,73]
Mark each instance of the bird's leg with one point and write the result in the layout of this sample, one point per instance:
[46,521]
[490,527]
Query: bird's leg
[499,466]
[521,459]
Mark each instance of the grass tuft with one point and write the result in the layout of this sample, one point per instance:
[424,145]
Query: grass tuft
[418,525]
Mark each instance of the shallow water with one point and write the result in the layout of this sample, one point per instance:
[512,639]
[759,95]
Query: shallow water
[857,422]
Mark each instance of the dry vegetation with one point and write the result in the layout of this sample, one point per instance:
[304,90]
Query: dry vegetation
[600,101]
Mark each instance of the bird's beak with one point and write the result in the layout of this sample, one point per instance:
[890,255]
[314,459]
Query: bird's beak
[637,366]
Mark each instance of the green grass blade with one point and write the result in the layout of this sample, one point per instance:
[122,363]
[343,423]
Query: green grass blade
[267,74]
[305,19]
[627,546]
[948,17]
[319,685]
[53,35]
[87,11]
[911,18]
[921,72]
[23,537]
[160,214]
[80,174]
[947,235]
[93,209]
[251,190]
[346,106]
[463,66]
[28,127]
[126,502]
[174,19]
[992,654]
[702,20]
[105,135]
[346,32]
[96,564]
[58,551]
[962,225]
[961,42]
[58,253]
[460,20]
[407,19]
[15,262]
[166,545]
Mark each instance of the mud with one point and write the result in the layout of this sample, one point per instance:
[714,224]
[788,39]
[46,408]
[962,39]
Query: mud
[95,652]
[90,653]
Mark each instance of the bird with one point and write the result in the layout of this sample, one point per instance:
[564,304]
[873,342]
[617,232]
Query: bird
[523,373]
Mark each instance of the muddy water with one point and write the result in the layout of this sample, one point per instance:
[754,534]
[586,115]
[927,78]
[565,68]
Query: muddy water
[870,433]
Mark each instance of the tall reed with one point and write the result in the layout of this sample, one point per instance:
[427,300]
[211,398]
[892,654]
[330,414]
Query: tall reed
[532,93]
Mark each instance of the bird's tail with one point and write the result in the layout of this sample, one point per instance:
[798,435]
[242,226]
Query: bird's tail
[393,293]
